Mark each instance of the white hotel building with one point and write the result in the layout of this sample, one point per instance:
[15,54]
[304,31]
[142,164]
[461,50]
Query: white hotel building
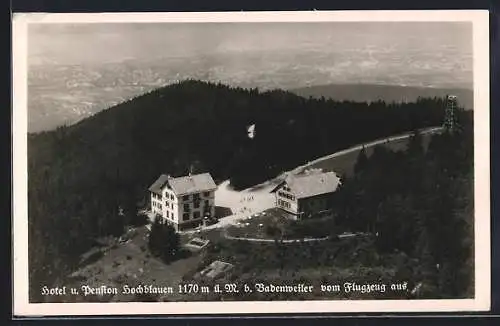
[183,201]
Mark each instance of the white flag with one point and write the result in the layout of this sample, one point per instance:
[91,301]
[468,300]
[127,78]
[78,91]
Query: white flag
[251,131]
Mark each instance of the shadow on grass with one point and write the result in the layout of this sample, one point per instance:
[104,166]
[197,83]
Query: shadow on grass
[181,254]
[221,211]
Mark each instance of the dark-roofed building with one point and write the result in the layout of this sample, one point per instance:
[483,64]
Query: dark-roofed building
[307,195]
[183,201]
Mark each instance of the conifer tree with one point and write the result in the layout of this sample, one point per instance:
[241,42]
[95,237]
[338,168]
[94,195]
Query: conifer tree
[155,236]
[170,242]
[361,162]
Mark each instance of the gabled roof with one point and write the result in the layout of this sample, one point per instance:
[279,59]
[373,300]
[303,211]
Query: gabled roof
[184,185]
[158,185]
[313,184]
[193,183]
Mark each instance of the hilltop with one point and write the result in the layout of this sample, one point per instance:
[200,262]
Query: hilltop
[387,93]
[79,175]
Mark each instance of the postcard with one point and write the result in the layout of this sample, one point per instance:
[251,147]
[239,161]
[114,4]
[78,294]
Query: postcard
[251,163]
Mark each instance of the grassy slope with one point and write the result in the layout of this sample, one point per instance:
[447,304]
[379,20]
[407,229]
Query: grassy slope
[344,164]
[387,93]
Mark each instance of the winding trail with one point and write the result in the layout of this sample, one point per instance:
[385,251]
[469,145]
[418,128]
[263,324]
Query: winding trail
[289,241]
[286,241]
[300,169]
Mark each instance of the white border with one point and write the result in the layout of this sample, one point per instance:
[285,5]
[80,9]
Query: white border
[480,21]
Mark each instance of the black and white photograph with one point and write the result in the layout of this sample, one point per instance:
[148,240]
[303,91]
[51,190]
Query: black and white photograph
[264,162]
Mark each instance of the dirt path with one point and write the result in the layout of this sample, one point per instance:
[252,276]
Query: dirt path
[288,241]
[359,147]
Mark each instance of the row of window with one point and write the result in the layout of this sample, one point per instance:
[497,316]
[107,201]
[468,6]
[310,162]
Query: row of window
[196,204]
[184,198]
[187,207]
[170,215]
[283,203]
[195,196]
[167,196]
[285,195]
[187,216]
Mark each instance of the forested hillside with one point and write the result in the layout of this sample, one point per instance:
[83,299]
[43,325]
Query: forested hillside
[421,203]
[79,175]
[387,93]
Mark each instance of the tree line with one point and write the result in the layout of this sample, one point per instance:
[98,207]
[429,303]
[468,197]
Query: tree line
[420,202]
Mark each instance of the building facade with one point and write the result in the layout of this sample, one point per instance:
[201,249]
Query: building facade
[184,201]
[307,195]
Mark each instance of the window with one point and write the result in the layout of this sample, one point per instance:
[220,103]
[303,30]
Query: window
[207,203]
[186,207]
[196,196]
[196,204]
[196,215]
[185,216]
[185,198]
[171,197]
[206,194]
[283,203]
[168,214]
[285,195]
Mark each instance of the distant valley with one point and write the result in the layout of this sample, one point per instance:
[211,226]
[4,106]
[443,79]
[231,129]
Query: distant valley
[64,95]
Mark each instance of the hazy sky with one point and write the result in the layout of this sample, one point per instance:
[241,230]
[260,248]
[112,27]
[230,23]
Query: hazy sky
[89,43]
[228,49]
